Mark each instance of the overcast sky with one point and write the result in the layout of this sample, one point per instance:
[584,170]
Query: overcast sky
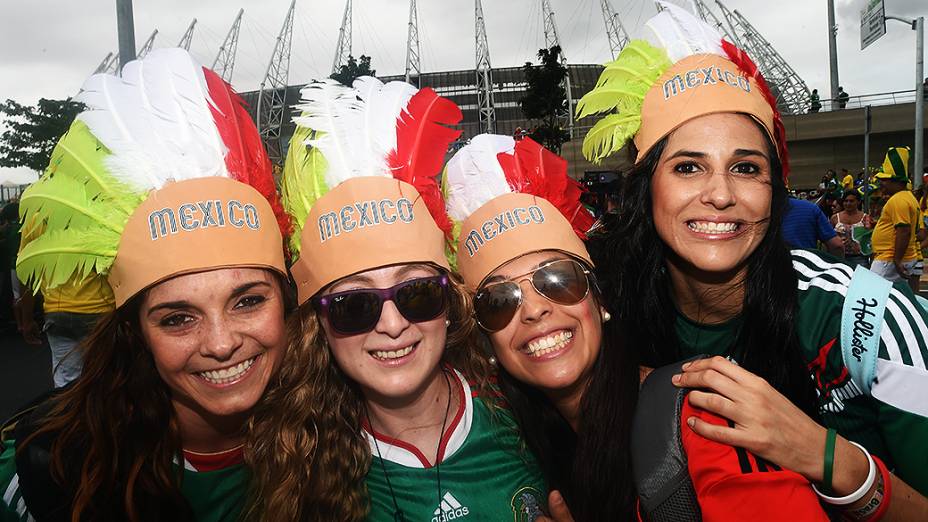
[47,48]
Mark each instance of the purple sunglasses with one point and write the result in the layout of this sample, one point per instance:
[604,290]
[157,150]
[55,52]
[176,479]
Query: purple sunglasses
[357,311]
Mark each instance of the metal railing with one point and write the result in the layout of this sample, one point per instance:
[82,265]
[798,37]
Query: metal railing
[859,102]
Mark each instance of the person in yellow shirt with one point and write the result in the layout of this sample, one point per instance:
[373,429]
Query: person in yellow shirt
[894,241]
[71,311]
[847,181]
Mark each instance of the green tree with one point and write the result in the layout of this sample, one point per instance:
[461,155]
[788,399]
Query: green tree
[545,98]
[354,68]
[32,131]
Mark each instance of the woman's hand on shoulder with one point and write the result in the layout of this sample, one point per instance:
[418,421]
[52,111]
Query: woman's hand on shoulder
[765,422]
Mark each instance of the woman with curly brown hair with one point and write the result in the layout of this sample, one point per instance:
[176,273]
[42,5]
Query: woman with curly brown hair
[150,194]
[386,414]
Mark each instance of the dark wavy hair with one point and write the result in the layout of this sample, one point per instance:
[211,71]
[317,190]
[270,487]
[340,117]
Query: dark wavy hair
[115,435]
[631,262]
[592,467]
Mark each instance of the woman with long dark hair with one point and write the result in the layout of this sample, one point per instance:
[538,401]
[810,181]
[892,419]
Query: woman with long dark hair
[569,375]
[152,192]
[697,243]
[387,414]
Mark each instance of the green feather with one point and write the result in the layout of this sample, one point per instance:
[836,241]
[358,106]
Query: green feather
[81,156]
[620,93]
[74,214]
[64,202]
[302,182]
[451,247]
[57,256]
[609,135]
[605,99]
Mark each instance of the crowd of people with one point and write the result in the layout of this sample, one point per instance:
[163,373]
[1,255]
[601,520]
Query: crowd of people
[862,219]
[393,336]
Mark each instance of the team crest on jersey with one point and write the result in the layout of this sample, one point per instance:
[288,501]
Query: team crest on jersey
[527,504]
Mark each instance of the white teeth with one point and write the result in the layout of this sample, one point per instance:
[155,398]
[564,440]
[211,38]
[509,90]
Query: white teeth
[548,344]
[392,354]
[227,375]
[711,227]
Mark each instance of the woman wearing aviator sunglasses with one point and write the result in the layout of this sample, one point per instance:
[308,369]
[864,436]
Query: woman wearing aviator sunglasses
[564,370]
[379,421]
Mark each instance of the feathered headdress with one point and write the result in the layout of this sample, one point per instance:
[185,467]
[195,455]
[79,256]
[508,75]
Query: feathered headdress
[517,191]
[649,91]
[360,176]
[149,139]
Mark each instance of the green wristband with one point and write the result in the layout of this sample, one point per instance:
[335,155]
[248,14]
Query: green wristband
[829,460]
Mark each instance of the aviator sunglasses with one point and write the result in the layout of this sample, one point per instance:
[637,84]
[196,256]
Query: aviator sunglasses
[357,311]
[563,281]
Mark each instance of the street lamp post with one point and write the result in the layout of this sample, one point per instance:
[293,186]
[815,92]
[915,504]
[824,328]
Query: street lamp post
[126,28]
[918,25]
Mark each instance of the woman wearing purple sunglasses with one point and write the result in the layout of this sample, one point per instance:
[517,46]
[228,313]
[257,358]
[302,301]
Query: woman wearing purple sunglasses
[385,414]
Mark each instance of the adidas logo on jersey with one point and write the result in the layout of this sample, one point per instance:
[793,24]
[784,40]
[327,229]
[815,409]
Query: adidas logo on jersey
[449,509]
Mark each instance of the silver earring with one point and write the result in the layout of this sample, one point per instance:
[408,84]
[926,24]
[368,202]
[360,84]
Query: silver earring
[606,316]
[447,323]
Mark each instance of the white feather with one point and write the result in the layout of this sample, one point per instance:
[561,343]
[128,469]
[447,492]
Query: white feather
[383,105]
[475,175]
[335,110]
[155,121]
[682,34]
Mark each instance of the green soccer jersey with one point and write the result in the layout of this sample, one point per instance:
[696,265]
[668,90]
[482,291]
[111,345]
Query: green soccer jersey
[215,496]
[891,422]
[484,472]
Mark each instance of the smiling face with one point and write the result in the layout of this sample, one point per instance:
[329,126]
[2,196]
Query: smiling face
[547,345]
[216,338]
[398,359]
[711,193]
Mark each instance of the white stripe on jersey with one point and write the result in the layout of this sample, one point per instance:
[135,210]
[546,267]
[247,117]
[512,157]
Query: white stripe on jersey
[843,274]
[821,264]
[21,507]
[451,500]
[901,386]
[11,490]
[906,330]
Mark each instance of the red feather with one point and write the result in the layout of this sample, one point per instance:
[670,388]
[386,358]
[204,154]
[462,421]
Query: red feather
[749,68]
[533,169]
[422,140]
[246,158]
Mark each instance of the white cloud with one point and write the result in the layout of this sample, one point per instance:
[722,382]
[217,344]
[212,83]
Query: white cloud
[47,48]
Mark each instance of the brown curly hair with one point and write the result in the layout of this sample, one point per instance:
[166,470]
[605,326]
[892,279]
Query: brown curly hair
[305,446]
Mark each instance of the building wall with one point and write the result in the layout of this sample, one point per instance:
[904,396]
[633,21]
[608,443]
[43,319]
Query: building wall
[817,142]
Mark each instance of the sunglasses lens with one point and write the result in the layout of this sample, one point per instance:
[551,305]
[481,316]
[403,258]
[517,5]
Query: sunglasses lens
[563,282]
[354,312]
[494,305]
[421,300]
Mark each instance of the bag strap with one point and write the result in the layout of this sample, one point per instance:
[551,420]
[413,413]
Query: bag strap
[861,322]
[659,463]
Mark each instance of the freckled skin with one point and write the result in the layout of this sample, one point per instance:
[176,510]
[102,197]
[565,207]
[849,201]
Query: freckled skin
[720,185]
[392,332]
[215,328]
[538,316]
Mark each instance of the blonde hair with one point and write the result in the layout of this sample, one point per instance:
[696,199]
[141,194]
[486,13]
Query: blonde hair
[305,446]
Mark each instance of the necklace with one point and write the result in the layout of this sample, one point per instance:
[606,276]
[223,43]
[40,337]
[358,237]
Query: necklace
[398,515]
